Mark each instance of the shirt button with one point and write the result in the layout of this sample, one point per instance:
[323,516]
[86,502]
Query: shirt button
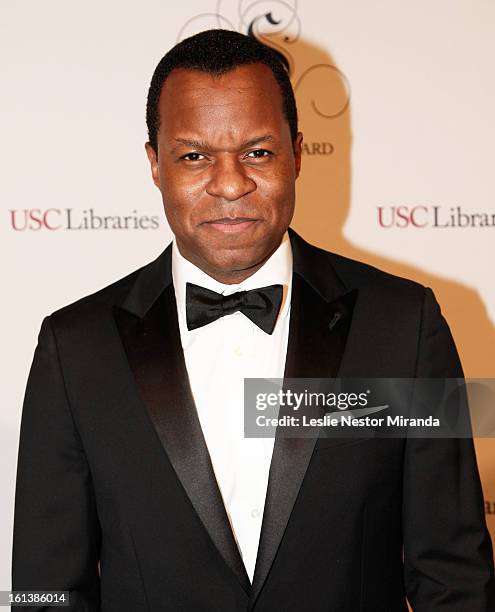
[255,513]
[238,351]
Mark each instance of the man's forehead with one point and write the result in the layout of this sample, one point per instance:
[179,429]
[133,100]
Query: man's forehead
[240,80]
[221,110]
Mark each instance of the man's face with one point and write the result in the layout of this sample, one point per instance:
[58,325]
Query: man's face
[226,167]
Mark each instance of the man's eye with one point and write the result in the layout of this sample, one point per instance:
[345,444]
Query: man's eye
[258,153]
[193,157]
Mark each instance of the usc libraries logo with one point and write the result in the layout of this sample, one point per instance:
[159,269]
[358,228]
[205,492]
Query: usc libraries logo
[416,217]
[55,219]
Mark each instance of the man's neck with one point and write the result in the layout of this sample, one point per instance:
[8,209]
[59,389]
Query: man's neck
[229,277]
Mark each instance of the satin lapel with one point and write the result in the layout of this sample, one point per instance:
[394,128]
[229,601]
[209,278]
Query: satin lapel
[317,337]
[153,348]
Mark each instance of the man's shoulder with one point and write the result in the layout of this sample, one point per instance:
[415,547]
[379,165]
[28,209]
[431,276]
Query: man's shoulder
[99,302]
[366,275]
[355,274]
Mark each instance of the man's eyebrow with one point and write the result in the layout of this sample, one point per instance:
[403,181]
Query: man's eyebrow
[203,146]
[257,140]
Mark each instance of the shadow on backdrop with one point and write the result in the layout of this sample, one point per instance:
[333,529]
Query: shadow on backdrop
[324,199]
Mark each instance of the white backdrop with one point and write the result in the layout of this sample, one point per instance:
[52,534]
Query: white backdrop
[411,133]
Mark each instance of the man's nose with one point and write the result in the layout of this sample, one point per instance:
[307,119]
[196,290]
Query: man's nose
[229,180]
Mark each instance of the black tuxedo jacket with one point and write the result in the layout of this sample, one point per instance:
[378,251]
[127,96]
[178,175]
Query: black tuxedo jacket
[113,467]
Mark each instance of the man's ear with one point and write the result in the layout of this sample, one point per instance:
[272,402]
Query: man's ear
[298,152]
[152,156]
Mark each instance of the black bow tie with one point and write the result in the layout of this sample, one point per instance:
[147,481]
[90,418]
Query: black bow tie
[261,306]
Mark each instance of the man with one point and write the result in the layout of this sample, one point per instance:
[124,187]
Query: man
[131,450]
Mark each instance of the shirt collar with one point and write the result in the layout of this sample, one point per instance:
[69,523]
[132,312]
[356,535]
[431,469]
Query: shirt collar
[276,270]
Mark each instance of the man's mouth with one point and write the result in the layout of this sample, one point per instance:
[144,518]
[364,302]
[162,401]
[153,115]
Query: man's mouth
[228,224]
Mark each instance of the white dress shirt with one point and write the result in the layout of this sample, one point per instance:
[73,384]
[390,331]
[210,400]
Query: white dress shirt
[218,357]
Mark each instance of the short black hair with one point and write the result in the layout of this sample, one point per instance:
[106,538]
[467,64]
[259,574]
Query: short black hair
[217,52]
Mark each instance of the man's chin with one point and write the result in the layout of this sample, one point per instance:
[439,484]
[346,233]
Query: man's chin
[234,267]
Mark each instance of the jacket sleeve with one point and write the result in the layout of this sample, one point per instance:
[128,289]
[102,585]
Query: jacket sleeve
[448,559]
[56,531]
